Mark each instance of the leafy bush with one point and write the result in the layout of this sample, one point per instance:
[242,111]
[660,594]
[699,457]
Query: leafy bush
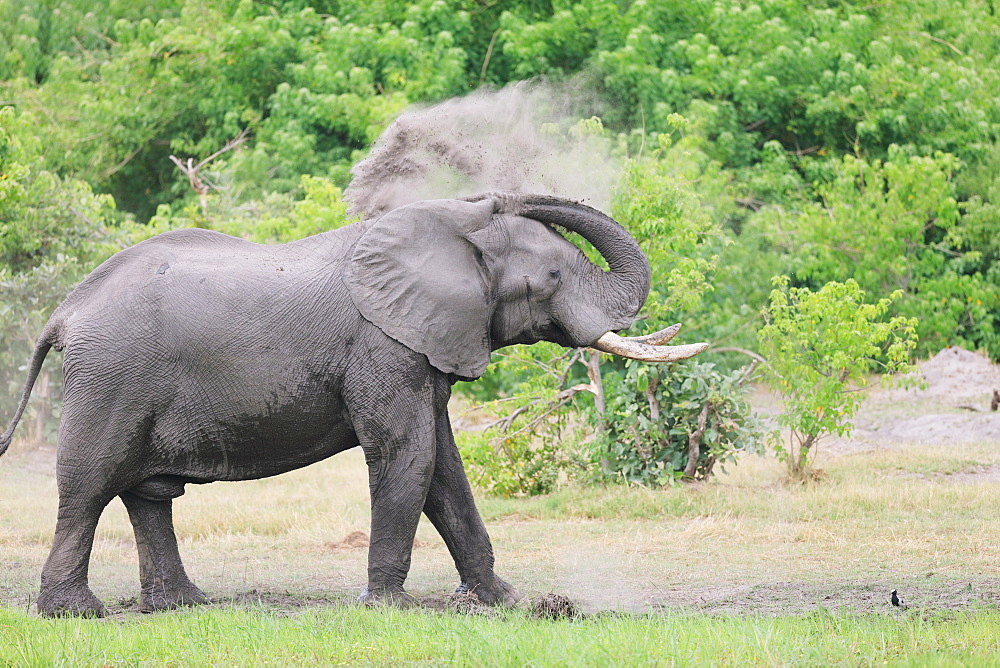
[670,422]
[516,465]
[819,346]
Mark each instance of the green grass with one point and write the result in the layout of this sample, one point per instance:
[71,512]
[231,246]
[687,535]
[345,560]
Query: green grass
[347,635]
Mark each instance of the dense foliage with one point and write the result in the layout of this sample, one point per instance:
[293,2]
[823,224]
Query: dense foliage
[822,141]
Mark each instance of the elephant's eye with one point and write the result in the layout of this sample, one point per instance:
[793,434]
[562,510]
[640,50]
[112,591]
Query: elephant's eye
[555,274]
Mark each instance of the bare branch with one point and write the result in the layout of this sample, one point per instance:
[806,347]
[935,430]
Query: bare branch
[742,351]
[113,170]
[932,38]
[82,217]
[561,399]
[750,203]
[192,170]
[489,54]
[596,383]
[238,140]
[748,373]
[576,357]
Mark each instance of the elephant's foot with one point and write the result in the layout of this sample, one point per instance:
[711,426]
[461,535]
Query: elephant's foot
[491,590]
[397,598]
[75,601]
[164,596]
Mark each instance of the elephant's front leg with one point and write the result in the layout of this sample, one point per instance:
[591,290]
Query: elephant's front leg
[452,510]
[396,432]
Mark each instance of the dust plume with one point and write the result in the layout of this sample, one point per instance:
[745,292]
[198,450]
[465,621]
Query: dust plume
[524,137]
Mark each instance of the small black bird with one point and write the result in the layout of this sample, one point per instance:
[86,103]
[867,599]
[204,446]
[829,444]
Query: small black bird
[896,600]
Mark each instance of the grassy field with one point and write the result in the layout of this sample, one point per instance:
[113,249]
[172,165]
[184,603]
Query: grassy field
[743,570]
[342,635]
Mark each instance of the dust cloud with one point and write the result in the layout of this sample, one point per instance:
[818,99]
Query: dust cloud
[524,137]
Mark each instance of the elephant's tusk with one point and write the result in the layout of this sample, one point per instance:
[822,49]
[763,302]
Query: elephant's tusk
[656,338]
[632,349]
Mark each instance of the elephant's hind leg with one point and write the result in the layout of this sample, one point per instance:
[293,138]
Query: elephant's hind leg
[65,589]
[163,581]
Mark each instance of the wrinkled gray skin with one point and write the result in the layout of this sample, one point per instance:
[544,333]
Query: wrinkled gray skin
[195,356]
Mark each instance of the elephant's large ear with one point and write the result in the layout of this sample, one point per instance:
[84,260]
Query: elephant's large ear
[418,275]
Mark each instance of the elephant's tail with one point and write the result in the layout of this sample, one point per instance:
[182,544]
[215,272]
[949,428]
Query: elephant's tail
[41,350]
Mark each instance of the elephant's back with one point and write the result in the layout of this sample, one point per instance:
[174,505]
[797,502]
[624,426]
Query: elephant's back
[190,289]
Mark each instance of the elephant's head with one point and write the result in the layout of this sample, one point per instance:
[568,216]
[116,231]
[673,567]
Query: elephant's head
[455,279]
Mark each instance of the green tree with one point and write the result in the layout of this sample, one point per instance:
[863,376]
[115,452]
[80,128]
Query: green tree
[895,225]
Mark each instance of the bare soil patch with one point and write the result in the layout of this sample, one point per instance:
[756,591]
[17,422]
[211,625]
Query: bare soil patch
[855,596]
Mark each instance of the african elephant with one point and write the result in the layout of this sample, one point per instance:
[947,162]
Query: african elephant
[195,356]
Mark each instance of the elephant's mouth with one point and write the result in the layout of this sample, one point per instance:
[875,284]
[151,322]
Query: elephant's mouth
[554,333]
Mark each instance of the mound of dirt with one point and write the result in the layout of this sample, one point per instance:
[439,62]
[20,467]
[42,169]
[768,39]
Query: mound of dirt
[957,374]
[467,603]
[359,539]
[952,405]
[353,540]
[554,606]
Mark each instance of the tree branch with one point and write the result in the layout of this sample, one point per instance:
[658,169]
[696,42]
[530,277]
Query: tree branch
[191,170]
[932,38]
[742,351]
[489,54]
[594,373]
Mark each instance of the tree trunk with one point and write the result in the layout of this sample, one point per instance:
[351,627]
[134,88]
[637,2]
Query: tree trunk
[654,403]
[694,443]
[43,408]
[799,461]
